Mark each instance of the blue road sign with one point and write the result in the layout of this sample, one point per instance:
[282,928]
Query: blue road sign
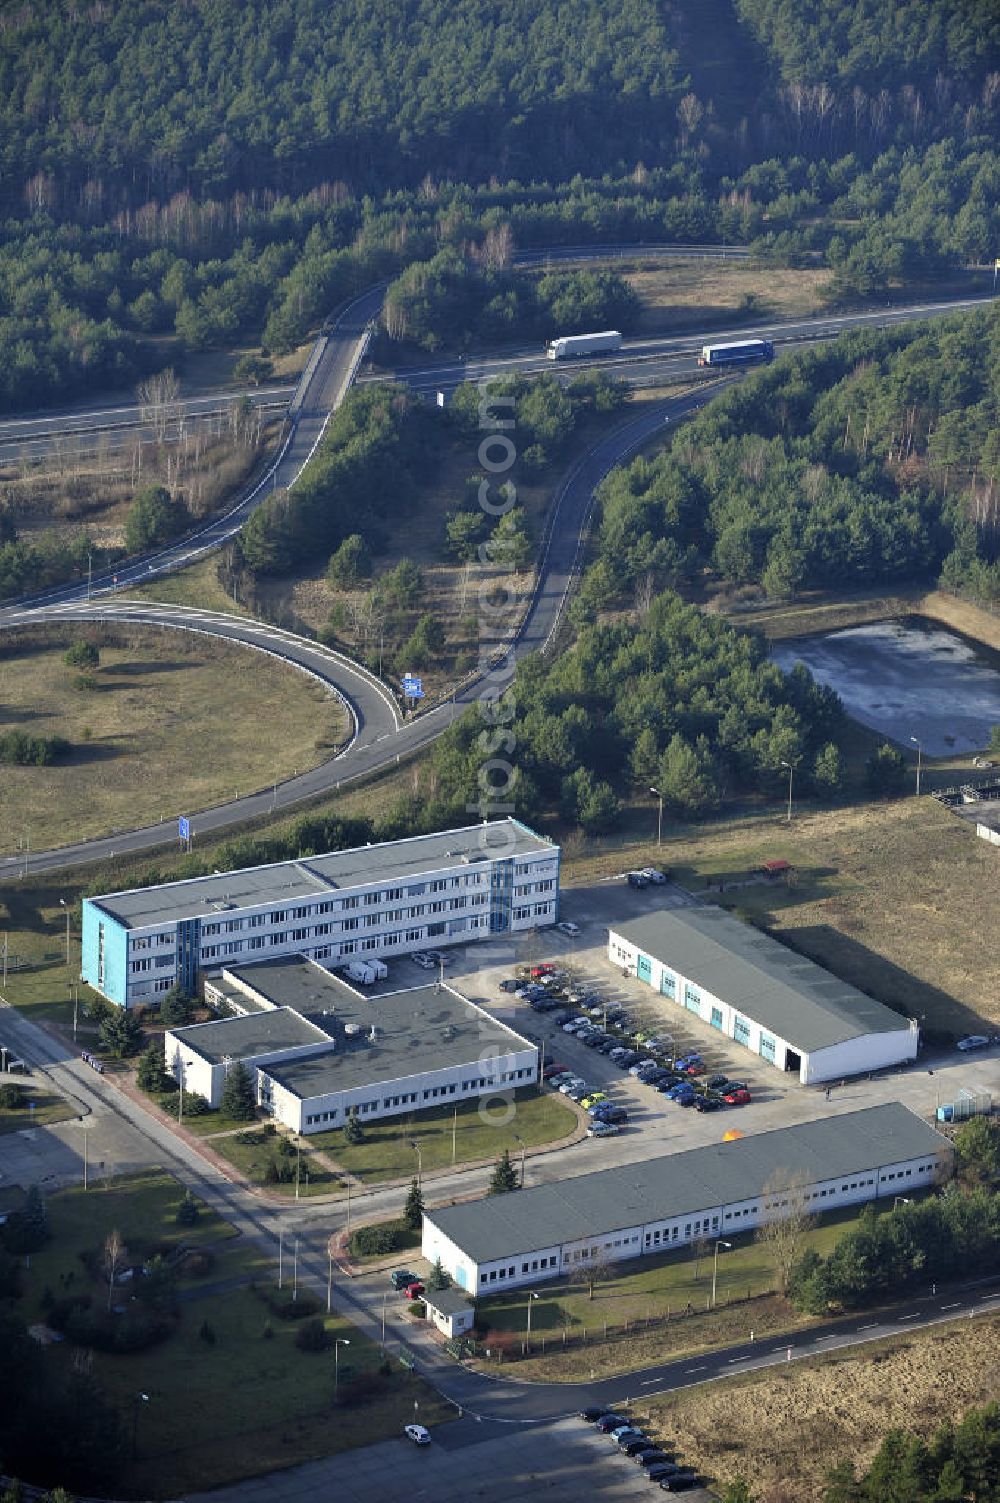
[183,828]
[413,687]
[415,693]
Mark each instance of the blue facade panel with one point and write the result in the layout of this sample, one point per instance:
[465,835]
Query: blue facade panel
[501,895]
[104,954]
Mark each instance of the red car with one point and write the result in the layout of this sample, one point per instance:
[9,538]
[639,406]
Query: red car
[541,970]
[552,1068]
[738,1098]
[694,1069]
[414,1291]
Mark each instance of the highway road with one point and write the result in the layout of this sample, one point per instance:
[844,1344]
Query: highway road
[647,362]
[379,737]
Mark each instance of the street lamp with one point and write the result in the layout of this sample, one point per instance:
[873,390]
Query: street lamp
[329,1274]
[140,1398]
[791,772]
[531,1295]
[520,1140]
[338,1342]
[659,817]
[420,1161]
[920,752]
[715,1266]
[65,906]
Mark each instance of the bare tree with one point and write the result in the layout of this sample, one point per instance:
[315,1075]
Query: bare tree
[158,402]
[599,1268]
[113,1260]
[700,1249]
[788,1223]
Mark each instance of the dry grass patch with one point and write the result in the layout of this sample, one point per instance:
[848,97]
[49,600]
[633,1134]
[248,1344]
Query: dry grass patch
[674,294]
[174,723]
[836,1408]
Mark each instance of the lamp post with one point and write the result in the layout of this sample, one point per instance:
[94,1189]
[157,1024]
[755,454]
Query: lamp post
[86,1154]
[715,1266]
[295,1269]
[65,907]
[920,753]
[520,1140]
[527,1341]
[420,1161]
[659,817]
[338,1342]
[140,1398]
[281,1258]
[329,1275]
[791,773]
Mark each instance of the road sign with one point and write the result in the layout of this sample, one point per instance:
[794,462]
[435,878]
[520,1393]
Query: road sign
[183,828]
[413,687]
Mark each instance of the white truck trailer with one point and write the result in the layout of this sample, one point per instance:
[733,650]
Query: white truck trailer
[366,972]
[573,346]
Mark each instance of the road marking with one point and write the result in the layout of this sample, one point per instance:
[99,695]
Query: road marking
[700,1369]
[952,1307]
[648,1382]
[872,1325]
[738,1359]
[914,1316]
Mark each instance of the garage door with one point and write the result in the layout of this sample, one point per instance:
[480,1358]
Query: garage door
[644,968]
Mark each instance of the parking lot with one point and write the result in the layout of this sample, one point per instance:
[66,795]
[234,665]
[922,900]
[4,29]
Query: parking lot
[491,1462]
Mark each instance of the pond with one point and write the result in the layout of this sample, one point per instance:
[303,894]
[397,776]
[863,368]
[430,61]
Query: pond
[909,678]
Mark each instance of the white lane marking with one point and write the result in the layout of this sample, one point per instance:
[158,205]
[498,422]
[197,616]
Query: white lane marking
[915,1316]
[700,1369]
[870,1327]
[952,1307]
[648,1382]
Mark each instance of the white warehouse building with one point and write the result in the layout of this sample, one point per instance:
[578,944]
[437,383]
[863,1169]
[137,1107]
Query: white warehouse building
[756,991]
[385,900]
[319,1049]
[535,1235]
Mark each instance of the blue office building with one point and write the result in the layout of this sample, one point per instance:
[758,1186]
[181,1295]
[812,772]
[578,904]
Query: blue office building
[396,898]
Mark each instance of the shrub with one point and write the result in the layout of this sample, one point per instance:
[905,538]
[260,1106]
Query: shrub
[12,1097]
[417,1308]
[187,1211]
[195,1265]
[311,1336]
[195,1104]
[371,1241]
[82,655]
[282,1304]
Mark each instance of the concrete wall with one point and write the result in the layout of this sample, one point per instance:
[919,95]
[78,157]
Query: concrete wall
[876,1051]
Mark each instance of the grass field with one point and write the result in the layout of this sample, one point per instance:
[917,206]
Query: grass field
[386,1153]
[828,1410]
[162,732]
[278,1407]
[675,1286]
[251,1160]
[685,294]
[48,1108]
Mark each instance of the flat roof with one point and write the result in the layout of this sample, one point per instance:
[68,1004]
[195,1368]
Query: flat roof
[786,993]
[680,1184]
[424,1028]
[257,1033]
[254,886]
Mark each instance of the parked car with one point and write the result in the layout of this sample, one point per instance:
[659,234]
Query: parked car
[616,1115]
[560,1078]
[569,1086]
[708,1103]
[738,1098]
[414,1290]
[626,1432]
[591,1415]
[651,1458]
[593,1098]
[553,1068]
[577,1093]
[637,879]
[972,1041]
[630,1057]
[633,1447]
[716,1082]
[423,961]
[509,984]
[662,1469]
[402,1278]
[643,1064]
[417,1434]
[653,874]
[609,1421]
[601,1129]
[544,969]
[567,928]
[650,1449]
[679,1482]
